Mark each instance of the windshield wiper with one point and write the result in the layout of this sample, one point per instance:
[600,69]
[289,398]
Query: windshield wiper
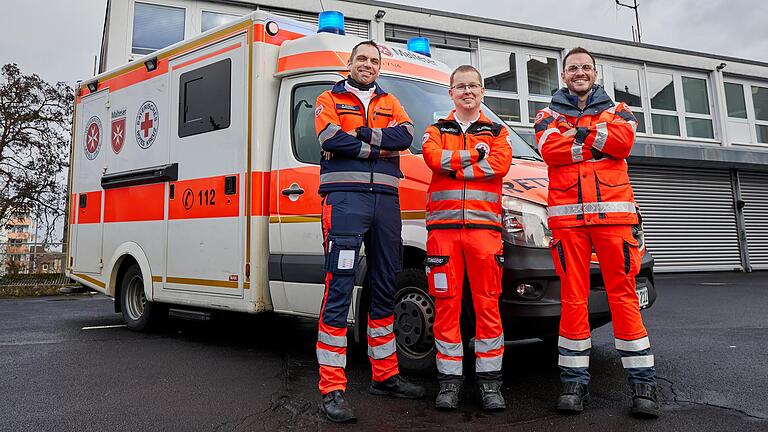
[530,158]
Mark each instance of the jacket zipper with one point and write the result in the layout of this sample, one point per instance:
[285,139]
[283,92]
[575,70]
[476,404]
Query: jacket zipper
[464,184]
[365,123]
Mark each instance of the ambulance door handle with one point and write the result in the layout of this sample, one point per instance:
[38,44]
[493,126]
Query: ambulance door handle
[83,200]
[294,189]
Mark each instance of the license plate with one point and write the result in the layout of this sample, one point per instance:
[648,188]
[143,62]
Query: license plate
[642,296]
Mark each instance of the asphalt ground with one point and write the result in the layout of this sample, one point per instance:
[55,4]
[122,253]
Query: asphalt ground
[709,334]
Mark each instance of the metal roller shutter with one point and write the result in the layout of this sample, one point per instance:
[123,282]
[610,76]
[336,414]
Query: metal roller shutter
[754,193]
[352,26]
[688,217]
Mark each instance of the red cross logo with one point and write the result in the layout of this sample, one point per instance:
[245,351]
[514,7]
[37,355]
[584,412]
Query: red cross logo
[146,124]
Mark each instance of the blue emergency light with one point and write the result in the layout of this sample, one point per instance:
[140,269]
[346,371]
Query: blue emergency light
[331,22]
[419,45]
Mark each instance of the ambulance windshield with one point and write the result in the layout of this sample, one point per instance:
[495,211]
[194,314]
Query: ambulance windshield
[427,102]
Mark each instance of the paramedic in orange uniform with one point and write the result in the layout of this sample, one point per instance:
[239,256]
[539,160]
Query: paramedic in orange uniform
[469,156]
[585,138]
[361,129]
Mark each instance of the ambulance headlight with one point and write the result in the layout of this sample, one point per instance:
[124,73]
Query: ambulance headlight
[419,45]
[524,223]
[330,22]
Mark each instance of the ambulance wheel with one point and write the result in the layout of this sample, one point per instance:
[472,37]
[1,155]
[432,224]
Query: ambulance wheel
[139,313]
[414,321]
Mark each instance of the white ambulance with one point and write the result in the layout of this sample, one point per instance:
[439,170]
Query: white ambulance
[194,177]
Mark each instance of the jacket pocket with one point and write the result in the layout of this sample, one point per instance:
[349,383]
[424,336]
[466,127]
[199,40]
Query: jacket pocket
[613,186]
[562,186]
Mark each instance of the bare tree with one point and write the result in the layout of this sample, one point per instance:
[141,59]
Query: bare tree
[35,121]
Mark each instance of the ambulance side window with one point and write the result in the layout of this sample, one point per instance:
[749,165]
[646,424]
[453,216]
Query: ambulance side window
[205,99]
[306,147]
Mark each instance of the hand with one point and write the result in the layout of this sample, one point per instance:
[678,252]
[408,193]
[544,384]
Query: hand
[570,132]
[480,154]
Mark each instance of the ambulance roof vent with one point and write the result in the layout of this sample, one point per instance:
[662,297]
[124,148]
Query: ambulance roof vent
[331,22]
[419,45]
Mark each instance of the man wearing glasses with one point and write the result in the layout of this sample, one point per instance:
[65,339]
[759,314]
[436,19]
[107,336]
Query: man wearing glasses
[469,156]
[584,138]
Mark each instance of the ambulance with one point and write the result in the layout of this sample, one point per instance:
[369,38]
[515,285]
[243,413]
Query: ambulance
[194,186]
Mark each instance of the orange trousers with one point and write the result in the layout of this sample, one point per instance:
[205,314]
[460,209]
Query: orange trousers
[619,256]
[479,253]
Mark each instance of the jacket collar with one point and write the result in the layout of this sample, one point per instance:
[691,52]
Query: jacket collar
[451,117]
[340,88]
[567,104]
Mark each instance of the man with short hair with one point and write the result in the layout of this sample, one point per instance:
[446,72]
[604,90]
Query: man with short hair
[584,137]
[469,156]
[361,130]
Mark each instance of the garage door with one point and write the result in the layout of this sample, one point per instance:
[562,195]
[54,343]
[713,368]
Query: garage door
[688,217]
[754,193]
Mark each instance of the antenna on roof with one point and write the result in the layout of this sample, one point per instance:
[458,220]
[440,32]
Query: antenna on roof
[322,8]
[637,17]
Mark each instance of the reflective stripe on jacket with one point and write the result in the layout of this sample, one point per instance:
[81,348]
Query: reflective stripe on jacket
[472,197]
[361,150]
[588,179]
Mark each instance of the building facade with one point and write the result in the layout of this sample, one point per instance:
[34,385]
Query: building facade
[700,162]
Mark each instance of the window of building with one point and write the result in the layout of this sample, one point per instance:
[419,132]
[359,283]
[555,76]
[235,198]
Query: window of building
[542,75]
[760,104]
[306,147]
[734,99]
[156,27]
[205,98]
[698,121]
[499,69]
[661,90]
[518,81]
[214,19]
[626,88]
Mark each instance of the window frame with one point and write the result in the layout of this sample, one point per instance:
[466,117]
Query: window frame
[186,130]
[751,121]
[329,85]
[680,112]
[187,27]
[522,95]
[609,83]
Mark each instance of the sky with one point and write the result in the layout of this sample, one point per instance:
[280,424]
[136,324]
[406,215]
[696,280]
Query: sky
[58,39]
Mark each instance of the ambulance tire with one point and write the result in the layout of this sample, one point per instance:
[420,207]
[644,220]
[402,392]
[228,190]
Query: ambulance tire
[414,319]
[139,313]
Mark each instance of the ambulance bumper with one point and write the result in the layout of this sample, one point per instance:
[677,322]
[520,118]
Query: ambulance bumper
[530,299]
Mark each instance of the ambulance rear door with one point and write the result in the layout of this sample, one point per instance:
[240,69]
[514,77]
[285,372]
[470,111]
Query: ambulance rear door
[89,158]
[206,205]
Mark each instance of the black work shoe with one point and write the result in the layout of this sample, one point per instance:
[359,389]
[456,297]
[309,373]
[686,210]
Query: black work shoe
[492,398]
[573,397]
[644,401]
[448,396]
[336,408]
[396,386]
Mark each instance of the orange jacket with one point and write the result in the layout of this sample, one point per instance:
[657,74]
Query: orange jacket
[466,189]
[361,149]
[588,180]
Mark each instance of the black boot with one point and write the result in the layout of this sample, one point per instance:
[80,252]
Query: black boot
[396,386]
[492,398]
[336,408]
[572,397]
[448,396]
[644,401]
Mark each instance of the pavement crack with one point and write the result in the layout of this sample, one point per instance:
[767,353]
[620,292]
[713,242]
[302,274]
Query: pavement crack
[677,399]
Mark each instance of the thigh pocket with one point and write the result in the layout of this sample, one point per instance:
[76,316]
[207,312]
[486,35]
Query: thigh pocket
[343,253]
[632,257]
[558,256]
[440,276]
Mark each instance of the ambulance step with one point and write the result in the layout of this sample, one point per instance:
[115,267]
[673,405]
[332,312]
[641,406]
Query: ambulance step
[186,314]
